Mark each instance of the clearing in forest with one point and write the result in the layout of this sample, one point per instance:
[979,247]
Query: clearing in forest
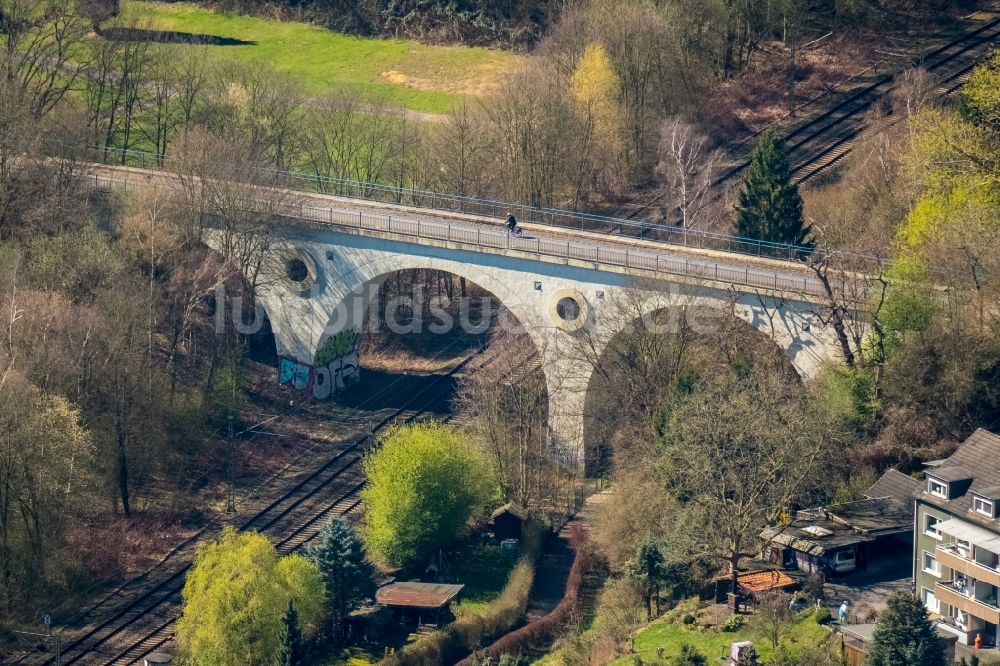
[408,74]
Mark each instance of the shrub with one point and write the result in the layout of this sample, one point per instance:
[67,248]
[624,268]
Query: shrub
[425,481]
[686,607]
[734,623]
[689,619]
[450,644]
[823,616]
[544,631]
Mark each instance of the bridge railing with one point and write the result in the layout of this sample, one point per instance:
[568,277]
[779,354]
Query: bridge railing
[555,217]
[496,238]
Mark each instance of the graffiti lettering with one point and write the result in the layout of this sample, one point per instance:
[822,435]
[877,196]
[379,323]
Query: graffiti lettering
[336,346]
[295,374]
[337,367]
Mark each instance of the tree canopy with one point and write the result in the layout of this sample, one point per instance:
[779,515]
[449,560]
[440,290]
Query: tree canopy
[770,206]
[904,635]
[347,576]
[425,482]
[235,597]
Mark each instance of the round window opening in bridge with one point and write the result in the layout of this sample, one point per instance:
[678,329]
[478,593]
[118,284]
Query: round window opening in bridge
[568,309]
[296,270]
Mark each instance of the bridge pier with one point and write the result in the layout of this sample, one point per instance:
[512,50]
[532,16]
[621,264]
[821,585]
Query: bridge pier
[318,283]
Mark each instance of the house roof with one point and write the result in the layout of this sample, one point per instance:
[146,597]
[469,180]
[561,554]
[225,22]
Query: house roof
[950,472]
[513,509]
[980,452]
[417,595]
[801,536]
[991,493]
[875,517]
[762,581]
[896,485]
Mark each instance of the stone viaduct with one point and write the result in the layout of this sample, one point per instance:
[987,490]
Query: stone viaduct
[329,256]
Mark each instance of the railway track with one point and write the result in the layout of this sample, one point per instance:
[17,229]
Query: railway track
[817,144]
[291,521]
[814,145]
[304,530]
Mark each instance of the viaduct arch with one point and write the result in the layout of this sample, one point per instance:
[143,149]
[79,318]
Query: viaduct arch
[316,286]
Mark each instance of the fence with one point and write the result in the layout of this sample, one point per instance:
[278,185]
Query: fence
[483,236]
[382,193]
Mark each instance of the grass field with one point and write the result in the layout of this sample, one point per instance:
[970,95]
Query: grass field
[484,573]
[411,75]
[715,644]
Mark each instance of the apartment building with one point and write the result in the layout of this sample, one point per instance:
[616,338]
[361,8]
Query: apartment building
[956,552]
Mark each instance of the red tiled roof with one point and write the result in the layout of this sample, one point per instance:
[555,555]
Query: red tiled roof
[761,581]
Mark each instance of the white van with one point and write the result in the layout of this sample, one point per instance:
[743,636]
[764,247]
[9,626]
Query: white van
[843,561]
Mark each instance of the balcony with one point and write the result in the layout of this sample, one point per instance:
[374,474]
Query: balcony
[951,556]
[950,594]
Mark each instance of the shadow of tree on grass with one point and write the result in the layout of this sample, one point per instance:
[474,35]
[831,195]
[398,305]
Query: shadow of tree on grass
[170,37]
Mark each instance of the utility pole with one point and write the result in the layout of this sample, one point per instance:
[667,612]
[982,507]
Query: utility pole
[230,462]
[230,452]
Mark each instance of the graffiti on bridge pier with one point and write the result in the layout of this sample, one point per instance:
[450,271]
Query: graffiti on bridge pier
[335,367]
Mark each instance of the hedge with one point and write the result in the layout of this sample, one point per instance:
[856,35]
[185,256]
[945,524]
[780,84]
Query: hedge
[541,633]
[453,642]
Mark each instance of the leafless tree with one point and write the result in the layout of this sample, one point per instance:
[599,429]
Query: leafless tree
[737,454]
[252,104]
[352,138]
[115,86]
[687,165]
[458,153]
[39,55]
[222,187]
[505,405]
[772,617]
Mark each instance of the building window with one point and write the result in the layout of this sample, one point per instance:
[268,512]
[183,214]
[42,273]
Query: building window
[930,526]
[985,507]
[937,488]
[930,601]
[931,565]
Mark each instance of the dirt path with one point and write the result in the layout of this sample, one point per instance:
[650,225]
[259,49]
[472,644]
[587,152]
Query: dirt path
[555,561]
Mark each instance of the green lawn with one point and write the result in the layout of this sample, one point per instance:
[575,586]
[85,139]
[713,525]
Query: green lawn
[715,644]
[484,573]
[409,74]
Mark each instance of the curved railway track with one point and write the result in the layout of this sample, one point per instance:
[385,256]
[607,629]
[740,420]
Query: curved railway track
[291,521]
[817,144]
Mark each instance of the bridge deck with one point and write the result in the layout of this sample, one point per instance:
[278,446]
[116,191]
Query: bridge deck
[600,251]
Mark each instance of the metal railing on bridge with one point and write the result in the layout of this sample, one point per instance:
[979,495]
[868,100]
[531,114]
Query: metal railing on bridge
[496,238]
[556,217]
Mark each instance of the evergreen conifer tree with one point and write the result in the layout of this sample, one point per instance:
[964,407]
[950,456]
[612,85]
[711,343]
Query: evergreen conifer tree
[340,557]
[904,635]
[770,206]
[291,651]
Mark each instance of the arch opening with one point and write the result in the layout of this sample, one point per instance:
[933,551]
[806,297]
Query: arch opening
[654,356]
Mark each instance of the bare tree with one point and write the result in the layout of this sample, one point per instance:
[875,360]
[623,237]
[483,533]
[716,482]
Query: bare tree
[115,85]
[252,104]
[352,138]
[738,453]
[458,152]
[39,55]
[504,403]
[222,187]
[772,618]
[687,165]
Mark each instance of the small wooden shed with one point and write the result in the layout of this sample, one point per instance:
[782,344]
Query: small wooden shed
[507,521]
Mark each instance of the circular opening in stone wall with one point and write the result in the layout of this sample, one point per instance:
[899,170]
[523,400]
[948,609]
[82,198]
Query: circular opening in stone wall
[568,309]
[296,270]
